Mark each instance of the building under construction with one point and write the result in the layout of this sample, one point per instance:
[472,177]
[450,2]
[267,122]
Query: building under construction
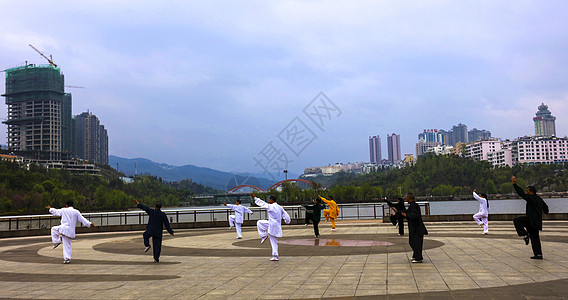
[35,98]
[40,122]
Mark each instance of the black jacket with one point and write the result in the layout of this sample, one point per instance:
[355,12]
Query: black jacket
[399,206]
[157,220]
[414,217]
[317,207]
[535,207]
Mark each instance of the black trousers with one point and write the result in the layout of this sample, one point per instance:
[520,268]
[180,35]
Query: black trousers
[309,216]
[156,245]
[316,228]
[400,220]
[523,226]
[416,241]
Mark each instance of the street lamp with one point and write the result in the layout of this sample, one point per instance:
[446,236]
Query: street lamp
[286,174]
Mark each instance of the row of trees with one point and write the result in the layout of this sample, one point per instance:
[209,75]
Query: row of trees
[438,175]
[28,190]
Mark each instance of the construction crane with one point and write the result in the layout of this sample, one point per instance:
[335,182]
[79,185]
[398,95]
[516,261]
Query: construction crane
[49,59]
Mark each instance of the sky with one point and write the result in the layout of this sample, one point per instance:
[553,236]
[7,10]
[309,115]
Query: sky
[246,85]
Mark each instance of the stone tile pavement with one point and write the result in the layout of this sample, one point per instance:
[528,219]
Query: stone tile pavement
[460,263]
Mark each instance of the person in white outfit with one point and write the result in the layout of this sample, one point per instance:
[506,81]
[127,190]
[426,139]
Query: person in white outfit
[481,217]
[65,232]
[273,227]
[237,219]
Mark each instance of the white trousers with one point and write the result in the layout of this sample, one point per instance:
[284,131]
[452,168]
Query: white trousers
[482,219]
[232,223]
[56,238]
[262,226]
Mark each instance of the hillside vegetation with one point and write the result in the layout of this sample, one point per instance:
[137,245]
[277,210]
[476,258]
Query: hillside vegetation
[28,190]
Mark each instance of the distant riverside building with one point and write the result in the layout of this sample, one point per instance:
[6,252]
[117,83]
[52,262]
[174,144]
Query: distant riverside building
[432,135]
[539,150]
[544,122]
[393,147]
[434,138]
[375,149]
[480,150]
[41,128]
[478,135]
[91,138]
[423,147]
[35,98]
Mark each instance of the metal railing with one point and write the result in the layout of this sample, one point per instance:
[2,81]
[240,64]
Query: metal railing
[192,215]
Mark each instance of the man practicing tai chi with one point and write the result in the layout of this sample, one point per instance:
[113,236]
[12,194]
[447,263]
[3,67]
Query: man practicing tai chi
[416,228]
[332,212]
[155,227]
[237,219]
[273,227]
[315,215]
[528,226]
[481,217]
[66,231]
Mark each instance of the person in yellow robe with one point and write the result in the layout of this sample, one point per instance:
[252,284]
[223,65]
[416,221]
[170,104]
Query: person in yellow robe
[332,212]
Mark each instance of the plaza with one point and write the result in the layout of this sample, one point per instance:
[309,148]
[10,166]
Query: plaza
[362,259]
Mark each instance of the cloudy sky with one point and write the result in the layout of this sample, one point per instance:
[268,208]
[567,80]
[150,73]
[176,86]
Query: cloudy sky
[220,83]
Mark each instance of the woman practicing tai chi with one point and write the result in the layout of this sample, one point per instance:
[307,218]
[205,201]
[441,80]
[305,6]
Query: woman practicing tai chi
[273,227]
[481,217]
[332,212]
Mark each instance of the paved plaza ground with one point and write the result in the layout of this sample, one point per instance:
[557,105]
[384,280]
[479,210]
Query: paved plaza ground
[362,260]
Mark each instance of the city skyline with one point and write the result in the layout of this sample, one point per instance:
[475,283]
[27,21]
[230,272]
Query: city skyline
[189,83]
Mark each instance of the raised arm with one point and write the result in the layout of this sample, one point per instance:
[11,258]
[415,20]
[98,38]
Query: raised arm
[476,196]
[54,211]
[324,200]
[143,207]
[260,203]
[248,210]
[84,220]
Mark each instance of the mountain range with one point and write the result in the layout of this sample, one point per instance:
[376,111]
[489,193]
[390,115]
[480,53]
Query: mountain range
[213,178]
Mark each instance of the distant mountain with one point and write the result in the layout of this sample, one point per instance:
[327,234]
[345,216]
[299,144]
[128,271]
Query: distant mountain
[213,178]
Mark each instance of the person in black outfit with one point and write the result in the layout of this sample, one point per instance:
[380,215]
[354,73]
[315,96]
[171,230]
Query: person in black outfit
[528,226]
[156,223]
[397,219]
[315,209]
[416,228]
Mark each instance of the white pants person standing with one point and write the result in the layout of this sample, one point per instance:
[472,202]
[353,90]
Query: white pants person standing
[271,228]
[237,219]
[481,218]
[65,232]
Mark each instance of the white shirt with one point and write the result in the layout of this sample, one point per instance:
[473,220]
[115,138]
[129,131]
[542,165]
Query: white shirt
[275,214]
[483,209]
[69,218]
[239,212]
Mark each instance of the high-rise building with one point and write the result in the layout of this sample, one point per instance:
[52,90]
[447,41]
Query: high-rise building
[459,134]
[431,135]
[544,122]
[91,138]
[35,98]
[375,149]
[393,147]
[475,135]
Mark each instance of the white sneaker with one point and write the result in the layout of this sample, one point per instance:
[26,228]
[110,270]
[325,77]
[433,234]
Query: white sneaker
[55,245]
[396,225]
[230,227]
[147,248]
[332,229]
[66,261]
[239,237]
[274,258]
[263,239]
[486,232]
